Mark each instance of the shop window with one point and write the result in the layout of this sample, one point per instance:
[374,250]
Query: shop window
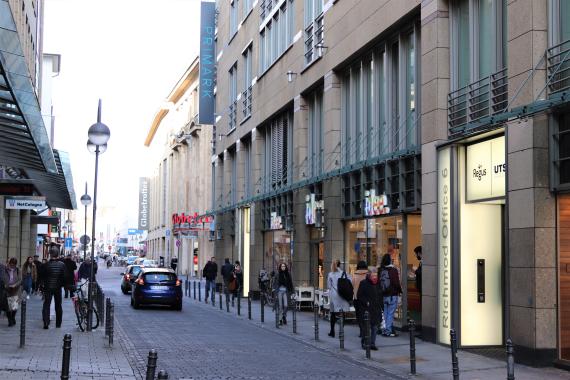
[247,92]
[233,17]
[561,148]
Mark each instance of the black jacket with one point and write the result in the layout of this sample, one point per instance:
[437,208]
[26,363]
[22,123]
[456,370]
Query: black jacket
[284,279]
[370,299]
[70,267]
[54,274]
[85,270]
[227,271]
[210,271]
[39,270]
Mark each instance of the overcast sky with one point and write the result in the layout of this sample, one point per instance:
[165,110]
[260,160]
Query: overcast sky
[129,53]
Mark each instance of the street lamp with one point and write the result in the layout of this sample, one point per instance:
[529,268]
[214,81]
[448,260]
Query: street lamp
[98,135]
[85,201]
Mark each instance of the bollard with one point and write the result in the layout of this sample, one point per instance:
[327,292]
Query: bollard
[412,329]
[295,318]
[107,308]
[249,305]
[220,299]
[199,291]
[66,357]
[276,307]
[227,299]
[111,322]
[151,364]
[510,360]
[23,323]
[239,302]
[316,325]
[454,362]
[162,375]
[262,305]
[194,282]
[186,287]
[341,330]
[367,334]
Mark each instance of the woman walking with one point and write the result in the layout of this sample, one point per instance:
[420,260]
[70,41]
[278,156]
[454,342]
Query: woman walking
[283,287]
[29,276]
[370,298]
[338,304]
[238,278]
[13,289]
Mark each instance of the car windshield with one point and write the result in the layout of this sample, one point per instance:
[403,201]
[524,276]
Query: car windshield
[157,278]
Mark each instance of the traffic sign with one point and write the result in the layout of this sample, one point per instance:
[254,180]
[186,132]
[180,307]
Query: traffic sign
[84,239]
[68,243]
[167,233]
[177,243]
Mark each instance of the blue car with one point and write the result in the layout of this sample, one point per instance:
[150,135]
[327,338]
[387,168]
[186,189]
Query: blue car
[157,286]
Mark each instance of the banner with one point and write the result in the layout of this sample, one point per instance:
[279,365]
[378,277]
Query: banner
[25,203]
[207,62]
[143,204]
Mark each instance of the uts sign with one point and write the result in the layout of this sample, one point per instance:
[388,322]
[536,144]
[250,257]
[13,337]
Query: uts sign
[207,63]
[486,170]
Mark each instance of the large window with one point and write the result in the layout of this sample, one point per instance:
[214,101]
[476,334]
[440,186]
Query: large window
[315,158]
[233,17]
[560,144]
[276,34]
[313,28]
[247,7]
[232,86]
[247,86]
[278,144]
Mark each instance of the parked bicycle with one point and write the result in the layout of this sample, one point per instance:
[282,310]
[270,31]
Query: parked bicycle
[266,287]
[81,307]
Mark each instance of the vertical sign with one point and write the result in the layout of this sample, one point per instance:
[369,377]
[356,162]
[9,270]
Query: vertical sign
[207,62]
[444,243]
[143,204]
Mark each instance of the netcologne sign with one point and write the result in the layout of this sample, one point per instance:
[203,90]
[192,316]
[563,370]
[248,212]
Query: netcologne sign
[444,243]
[207,62]
[486,169]
[25,203]
[143,203]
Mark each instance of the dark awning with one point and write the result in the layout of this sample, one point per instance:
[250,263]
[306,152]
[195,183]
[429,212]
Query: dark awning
[44,219]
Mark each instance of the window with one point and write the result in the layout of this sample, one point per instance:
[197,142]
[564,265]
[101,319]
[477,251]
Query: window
[560,143]
[247,86]
[247,7]
[278,142]
[233,177]
[315,103]
[232,112]
[276,34]
[233,17]
[313,28]
[248,174]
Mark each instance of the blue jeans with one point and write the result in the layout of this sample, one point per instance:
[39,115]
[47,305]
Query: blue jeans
[27,283]
[211,285]
[282,301]
[390,305]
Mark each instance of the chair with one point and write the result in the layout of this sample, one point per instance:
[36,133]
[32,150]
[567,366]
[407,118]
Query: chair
[304,295]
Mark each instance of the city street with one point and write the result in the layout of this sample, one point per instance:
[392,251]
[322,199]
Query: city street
[202,343]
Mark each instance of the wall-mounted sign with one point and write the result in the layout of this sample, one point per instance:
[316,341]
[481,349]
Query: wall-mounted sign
[25,203]
[143,203]
[134,231]
[311,206]
[375,204]
[276,222]
[182,221]
[207,62]
[486,170]
[444,243]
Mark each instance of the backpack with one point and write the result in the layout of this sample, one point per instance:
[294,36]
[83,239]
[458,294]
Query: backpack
[344,288]
[385,284]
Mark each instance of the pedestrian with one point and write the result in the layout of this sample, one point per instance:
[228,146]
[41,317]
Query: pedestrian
[391,290]
[283,287]
[338,304]
[70,267]
[54,280]
[418,272]
[13,288]
[29,276]
[370,298]
[357,278]
[227,274]
[38,265]
[210,272]
[238,280]
[174,263]
[85,269]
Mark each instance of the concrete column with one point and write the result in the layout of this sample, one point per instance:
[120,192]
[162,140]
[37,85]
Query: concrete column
[240,157]
[33,239]
[332,122]
[227,173]
[258,164]
[302,248]
[334,235]
[301,139]
[24,236]
[14,234]
[218,193]
[435,85]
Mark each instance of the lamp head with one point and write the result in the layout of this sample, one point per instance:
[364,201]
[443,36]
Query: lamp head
[85,200]
[99,133]
[92,148]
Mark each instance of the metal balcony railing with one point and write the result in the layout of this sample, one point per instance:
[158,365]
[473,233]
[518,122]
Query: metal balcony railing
[232,116]
[486,97]
[247,99]
[558,67]
[313,37]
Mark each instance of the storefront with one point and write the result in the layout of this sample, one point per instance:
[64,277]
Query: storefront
[192,242]
[277,240]
[564,275]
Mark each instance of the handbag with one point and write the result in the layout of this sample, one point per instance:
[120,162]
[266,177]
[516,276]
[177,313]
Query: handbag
[13,303]
[344,288]
[232,286]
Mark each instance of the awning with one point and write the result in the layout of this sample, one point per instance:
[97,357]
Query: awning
[44,219]
[24,141]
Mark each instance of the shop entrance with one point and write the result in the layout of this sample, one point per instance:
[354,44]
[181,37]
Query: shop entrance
[316,264]
[564,274]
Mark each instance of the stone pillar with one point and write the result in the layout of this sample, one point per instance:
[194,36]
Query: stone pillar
[227,181]
[14,234]
[332,122]
[435,85]
[240,156]
[257,164]
[218,193]
[334,234]
[300,150]
[302,249]
[24,236]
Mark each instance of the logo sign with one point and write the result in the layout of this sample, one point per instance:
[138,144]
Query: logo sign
[167,233]
[25,203]
[84,239]
[207,63]
[143,203]
[375,204]
[190,221]
[276,223]
[444,243]
[134,231]
[178,242]
[486,169]
[311,206]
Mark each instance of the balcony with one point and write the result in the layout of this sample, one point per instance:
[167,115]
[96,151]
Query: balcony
[470,105]
[558,68]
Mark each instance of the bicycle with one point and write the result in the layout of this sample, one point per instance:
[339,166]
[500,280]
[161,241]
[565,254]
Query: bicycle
[266,287]
[81,308]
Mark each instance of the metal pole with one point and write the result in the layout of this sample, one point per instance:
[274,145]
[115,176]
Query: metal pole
[316,325]
[85,245]
[249,305]
[341,330]
[227,299]
[276,307]
[194,282]
[23,323]
[367,334]
[92,272]
[151,364]
[162,375]
[186,287]
[108,303]
[412,329]
[199,291]
[510,360]
[262,306]
[454,361]
[111,323]
[66,357]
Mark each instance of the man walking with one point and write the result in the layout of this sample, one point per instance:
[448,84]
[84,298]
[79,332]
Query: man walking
[210,272]
[38,265]
[227,274]
[85,270]
[54,279]
[70,267]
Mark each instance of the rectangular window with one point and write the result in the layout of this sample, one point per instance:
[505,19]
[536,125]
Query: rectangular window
[276,35]
[247,72]
[232,86]
[247,6]
[314,36]
[315,103]
[278,140]
[248,173]
[233,17]
[233,177]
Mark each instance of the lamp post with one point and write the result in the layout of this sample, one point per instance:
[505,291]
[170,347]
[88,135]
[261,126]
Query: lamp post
[98,135]
[85,201]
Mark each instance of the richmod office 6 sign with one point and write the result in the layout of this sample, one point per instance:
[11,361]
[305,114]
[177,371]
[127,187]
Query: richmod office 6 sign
[486,170]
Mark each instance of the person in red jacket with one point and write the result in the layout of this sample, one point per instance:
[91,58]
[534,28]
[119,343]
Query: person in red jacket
[391,290]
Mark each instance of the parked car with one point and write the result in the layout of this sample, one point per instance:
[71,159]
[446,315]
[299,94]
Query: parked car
[129,276]
[159,286]
[149,263]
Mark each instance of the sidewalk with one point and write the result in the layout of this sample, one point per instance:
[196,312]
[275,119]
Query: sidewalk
[91,358]
[432,361]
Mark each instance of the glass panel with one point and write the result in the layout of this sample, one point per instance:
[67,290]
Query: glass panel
[486,38]
[414,269]
[564,20]
[564,244]
[277,249]
[355,243]
[383,134]
[463,47]
[411,92]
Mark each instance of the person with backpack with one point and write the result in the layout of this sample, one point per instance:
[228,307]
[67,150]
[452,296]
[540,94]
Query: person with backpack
[391,290]
[337,294]
[53,282]
[370,298]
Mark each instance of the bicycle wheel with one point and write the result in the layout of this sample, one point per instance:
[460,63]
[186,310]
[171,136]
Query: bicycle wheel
[269,299]
[78,314]
[83,310]
[95,321]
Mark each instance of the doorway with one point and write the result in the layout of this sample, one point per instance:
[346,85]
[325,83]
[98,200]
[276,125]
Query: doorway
[316,264]
[564,274]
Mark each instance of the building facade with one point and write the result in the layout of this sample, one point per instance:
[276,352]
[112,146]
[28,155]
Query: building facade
[179,187]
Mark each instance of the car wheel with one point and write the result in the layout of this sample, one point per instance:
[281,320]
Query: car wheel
[136,305]
[124,290]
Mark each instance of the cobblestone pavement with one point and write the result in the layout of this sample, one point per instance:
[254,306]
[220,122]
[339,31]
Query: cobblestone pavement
[202,343]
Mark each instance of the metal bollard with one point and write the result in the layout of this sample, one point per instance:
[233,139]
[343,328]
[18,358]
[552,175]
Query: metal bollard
[194,282]
[107,308]
[249,305]
[151,364]
[239,303]
[510,360]
[186,287]
[199,291]
[262,306]
[295,318]
[227,299]
[412,329]
[454,361]
[162,375]
[276,307]
[316,323]
[66,357]
[367,334]
[220,299]
[23,323]
[341,330]
[111,322]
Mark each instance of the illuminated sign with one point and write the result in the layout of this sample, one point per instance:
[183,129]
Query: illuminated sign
[182,221]
[444,243]
[375,204]
[486,170]
[311,206]
[207,62]
[25,203]
[275,223]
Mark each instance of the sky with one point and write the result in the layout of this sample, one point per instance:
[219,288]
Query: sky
[129,53]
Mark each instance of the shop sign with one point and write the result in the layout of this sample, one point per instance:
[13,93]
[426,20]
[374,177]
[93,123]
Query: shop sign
[486,170]
[275,222]
[182,221]
[311,206]
[25,203]
[444,244]
[375,204]
[207,73]
[143,203]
